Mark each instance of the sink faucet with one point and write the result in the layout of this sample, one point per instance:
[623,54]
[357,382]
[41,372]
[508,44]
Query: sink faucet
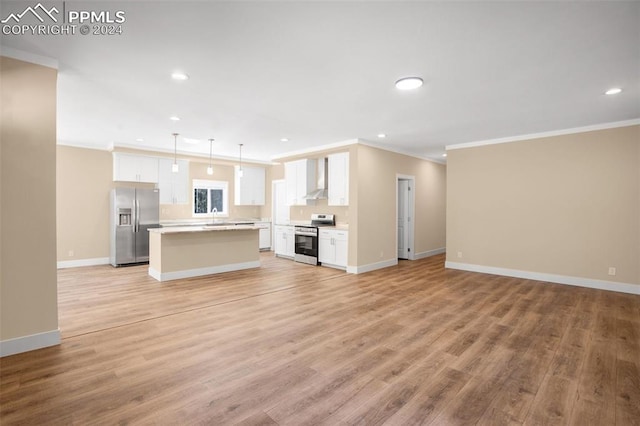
[214,211]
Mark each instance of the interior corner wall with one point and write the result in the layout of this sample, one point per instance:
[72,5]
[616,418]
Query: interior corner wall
[28,282]
[566,205]
[377,172]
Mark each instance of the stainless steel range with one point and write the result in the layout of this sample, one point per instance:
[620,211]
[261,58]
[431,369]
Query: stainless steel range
[306,238]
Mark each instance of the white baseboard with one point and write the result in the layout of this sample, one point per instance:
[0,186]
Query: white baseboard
[189,273]
[83,262]
[372,266]
[552,278]
[331,265]
[430,253]
[29,343]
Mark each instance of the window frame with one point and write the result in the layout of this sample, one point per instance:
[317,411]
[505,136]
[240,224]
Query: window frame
[209,185]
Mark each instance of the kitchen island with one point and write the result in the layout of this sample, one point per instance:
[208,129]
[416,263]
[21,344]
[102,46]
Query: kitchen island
[192,251]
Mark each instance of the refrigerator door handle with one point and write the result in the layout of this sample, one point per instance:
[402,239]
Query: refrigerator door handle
[137,225]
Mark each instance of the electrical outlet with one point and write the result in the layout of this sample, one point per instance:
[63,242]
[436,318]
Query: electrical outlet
[459,255]
[612,270]
[381,254]
[71,253]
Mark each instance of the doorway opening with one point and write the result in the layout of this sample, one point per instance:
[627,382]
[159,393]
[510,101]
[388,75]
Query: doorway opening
[405,201]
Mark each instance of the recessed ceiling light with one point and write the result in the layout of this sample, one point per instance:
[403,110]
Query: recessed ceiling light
[382,135]
[409,83]
[284,140]
[444,155]
[174,118]
[139,140]
[179,76]
[613,91]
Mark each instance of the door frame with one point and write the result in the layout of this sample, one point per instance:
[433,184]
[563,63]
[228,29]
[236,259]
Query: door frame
[412,211]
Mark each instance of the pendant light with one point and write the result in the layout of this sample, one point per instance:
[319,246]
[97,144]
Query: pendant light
[240,172]
[174,167]
[210,168]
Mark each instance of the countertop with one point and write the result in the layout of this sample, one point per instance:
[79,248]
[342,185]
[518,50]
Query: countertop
[338,226]
[207,221]
[205,228]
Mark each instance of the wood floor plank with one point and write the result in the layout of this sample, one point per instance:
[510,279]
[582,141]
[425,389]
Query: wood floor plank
[553,403]
[436,392]
[628,393]
[289,343]
[597,382]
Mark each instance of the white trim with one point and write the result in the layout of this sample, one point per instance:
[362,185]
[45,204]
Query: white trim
[429,253]
[331,265]
[29,343]
[85,146]
[602,126]
[21,55]
[372,266]
[315,149]
[552,278]
[189,273]
[62,264]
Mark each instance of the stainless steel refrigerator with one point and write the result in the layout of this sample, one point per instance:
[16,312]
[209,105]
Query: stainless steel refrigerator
[133,212]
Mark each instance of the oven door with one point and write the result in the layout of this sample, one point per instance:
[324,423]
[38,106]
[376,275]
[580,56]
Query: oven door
[307,244]
[306,247]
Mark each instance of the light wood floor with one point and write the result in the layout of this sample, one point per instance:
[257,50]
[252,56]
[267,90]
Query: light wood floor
[300,345]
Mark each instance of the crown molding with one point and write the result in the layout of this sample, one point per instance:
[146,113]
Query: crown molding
[602,126]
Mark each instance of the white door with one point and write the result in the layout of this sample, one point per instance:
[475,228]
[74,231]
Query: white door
[280,207]
[280,213]
[403,219]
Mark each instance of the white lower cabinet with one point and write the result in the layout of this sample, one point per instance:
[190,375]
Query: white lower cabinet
[265,235]
[333,247]
[284,244]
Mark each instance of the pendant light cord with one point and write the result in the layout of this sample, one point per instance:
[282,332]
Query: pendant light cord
[210,150]
[175,148]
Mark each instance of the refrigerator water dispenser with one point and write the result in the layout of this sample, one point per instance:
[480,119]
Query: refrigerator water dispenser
[124,217]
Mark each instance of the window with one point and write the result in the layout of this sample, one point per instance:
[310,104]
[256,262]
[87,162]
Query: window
[209,195]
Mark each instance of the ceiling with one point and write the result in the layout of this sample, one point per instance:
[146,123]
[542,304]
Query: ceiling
[319,73]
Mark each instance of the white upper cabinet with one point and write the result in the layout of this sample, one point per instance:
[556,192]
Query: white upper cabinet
[134,168]
[250,188]
[300,178]
[338,179]
[174,187]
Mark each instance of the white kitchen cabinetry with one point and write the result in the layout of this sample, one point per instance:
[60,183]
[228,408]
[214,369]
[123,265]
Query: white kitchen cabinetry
[264,235]
[174,187]
[284,243]
[134,168]
[300,178]
[249,189]
[333,247]
[338,179]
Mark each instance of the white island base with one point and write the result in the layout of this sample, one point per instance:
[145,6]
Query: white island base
[184,252]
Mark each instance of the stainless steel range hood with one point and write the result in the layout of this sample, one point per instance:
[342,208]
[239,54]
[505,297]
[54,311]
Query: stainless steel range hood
[322,173]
